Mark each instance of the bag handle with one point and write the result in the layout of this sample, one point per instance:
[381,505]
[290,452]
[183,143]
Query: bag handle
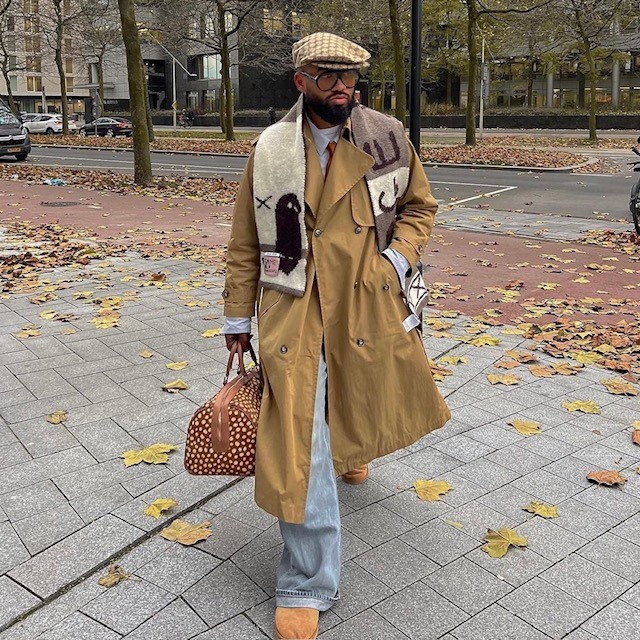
[236,348]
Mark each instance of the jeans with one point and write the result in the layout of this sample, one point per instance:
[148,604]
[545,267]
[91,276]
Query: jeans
[309,570]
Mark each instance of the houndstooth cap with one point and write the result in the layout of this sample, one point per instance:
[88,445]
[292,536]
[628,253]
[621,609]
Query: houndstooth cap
[329,51]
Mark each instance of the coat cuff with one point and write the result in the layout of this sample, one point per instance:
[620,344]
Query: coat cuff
[407,250]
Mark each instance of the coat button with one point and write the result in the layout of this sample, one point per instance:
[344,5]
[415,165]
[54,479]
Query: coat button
[283,348]
[385,287]
[359,342]
[420,248]
[358,229]
[317,233]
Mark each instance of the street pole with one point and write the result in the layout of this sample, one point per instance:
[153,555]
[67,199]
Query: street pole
[175,93]
[416,63]
[482,81]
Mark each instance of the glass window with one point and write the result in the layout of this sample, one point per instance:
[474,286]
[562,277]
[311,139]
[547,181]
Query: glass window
[68,65]
[69,84]
[67,46]
[6,117]
[33,64]
[34,83]
[11,42]
[13,81]
[11,23]
[30,7]
[32,44]
[12,62]
[209,67]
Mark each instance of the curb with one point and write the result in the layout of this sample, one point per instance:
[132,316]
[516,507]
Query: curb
[566,169]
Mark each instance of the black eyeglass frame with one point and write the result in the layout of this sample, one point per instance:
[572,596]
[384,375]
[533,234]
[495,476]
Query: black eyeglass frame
[338,73]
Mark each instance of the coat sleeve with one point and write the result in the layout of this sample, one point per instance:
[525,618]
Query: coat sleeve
[415,213]
[243,254]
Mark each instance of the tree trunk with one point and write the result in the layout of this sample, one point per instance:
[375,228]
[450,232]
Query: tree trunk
[222,109]
[7,81]
[398,62]
[147,107]
[472,13]
[593,81]
[141,154]
[100,85]
[60,67]
[225,60]
[530,82]
[449,88]
[582,82]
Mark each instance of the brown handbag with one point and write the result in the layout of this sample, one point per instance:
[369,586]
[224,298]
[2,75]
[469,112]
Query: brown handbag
[221,439]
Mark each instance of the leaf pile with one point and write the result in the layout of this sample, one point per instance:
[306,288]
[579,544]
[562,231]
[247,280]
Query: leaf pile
[503,156]
[214,190]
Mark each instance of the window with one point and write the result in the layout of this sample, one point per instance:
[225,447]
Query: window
[30,7]
[33,64]
[209,101]
[11,42]
[69,84]
[11,23]
[31,24]
[12,62]
[67,46]
[272,20]
[13,82]
[32,44]
[34,83]
[209,67]
[66,7]
[68,66]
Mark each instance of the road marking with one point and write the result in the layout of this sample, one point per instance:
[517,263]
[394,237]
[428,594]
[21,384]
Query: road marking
[468,184]
[482,195]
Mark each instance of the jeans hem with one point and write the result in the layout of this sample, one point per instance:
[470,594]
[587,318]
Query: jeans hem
[305,599]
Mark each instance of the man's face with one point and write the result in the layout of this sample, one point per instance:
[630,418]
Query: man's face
[332,106]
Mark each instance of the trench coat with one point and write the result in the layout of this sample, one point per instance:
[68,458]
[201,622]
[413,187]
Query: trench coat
[380,392]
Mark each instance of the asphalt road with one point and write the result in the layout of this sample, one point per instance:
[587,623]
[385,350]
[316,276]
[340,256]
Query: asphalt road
[575,195]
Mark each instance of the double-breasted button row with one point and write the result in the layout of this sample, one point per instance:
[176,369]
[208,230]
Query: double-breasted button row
[360,342]
[358,230]
[225,293]
[283,348]
[317,233]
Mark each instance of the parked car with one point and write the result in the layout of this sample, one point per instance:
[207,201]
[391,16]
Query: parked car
[48,123]
[107,127]
[14,138]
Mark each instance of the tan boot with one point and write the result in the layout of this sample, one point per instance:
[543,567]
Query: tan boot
[296,624]
[357,476]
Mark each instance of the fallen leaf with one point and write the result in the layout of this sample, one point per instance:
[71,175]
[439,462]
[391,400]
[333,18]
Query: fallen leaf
[507,364]
[115,575]
[635,436]
[619,387]
[542,509]
[156,508]
[177,366]
[498,542]
[526,427]
[431,490]
[454,523]
[610,478]
[585,406]
[146,354]
[175,385]
[484,340]
[57,417]
[155,454]
[540,371]
[502,378]
[453,360]
[211,333]
[186,533]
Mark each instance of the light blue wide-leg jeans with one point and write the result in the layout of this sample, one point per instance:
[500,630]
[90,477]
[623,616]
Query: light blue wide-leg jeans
[309,570]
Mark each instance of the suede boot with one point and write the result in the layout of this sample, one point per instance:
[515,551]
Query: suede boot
[296,623]
[357,476]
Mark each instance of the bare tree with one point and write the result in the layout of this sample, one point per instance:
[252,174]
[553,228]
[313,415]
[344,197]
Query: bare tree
[141,153]
[8,56]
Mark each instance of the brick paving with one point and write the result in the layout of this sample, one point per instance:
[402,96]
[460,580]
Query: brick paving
[412,569]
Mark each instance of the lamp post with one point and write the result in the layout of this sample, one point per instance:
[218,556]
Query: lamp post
[175,61]
[416,63]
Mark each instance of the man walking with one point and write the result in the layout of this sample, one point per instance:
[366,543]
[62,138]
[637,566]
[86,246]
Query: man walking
[332,217]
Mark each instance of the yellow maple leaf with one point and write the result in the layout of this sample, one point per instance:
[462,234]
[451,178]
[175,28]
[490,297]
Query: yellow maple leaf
[177,366]
[548,286]
[582,280]
[431,490]
[155,454]
[28,332]
[498,542]
[156,508]
[526,427]
[114,575]
[48,315]
[453,360]
[197,303]
[585,406]
[175,385]
[586,357]
[211,333]
[484,340]
[187,533]
[512,332]
[636,424]
[541,371]
[82,295]
[104,322]
[502,378]
[57,417]
[438,325]
[619,387]
[146,354]
[68,332]
[565,369]
[542,509]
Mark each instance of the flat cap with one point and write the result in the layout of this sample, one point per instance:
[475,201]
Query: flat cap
[329,51]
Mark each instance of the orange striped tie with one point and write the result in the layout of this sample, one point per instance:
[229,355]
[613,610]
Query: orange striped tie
[331,147]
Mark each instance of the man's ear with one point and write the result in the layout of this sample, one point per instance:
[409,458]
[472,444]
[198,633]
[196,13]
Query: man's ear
[298,80]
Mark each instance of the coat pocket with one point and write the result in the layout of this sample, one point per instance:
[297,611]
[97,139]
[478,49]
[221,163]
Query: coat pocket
[269,299]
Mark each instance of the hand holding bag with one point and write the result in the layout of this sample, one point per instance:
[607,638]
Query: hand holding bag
[221,439]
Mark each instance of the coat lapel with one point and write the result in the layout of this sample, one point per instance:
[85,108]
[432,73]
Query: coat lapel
[349,165]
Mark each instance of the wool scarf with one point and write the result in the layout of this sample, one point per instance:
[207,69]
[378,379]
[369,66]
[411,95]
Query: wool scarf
[279,175]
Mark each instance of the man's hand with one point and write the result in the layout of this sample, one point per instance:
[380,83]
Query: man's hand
[243,338]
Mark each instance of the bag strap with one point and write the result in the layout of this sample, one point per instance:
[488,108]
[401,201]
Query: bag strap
[236,348]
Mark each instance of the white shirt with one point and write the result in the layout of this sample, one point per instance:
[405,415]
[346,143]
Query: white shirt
[322,138]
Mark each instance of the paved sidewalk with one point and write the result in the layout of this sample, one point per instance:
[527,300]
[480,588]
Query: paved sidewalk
[412,569]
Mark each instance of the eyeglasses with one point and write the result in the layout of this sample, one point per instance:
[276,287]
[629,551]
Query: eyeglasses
[326,80]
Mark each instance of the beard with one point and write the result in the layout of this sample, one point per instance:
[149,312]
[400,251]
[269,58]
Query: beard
[335,115]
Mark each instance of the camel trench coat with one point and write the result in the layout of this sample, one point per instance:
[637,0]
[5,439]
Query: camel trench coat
[381,395]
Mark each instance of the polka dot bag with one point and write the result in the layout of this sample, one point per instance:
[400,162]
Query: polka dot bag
[221,439]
